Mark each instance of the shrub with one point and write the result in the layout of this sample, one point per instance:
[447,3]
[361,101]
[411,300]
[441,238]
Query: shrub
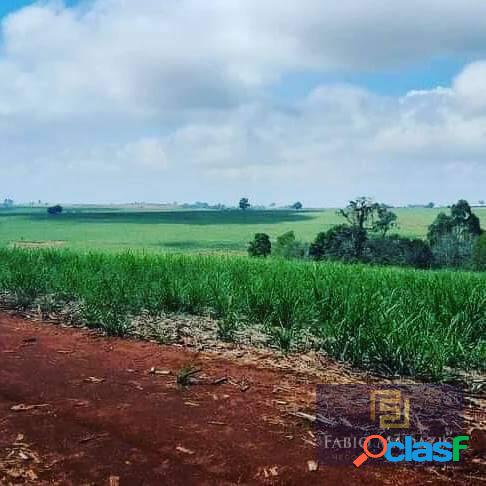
[394,250]
[297,205]
[260,246]
[288,247]
[450,250]
[338,243]
[385,251]
[418,254]
[479,253]
[57,209]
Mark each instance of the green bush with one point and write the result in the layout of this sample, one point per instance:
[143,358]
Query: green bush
[394,250]
[418,254]
[479,253]
[452,250]
[288,247]
[338,243]
[260,246]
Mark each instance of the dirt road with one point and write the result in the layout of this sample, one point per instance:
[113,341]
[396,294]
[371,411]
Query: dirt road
[79,408]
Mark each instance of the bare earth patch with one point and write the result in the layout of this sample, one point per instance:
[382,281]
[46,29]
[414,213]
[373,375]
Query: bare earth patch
[80,408]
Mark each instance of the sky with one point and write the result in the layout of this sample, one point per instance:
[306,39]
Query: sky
[113,101]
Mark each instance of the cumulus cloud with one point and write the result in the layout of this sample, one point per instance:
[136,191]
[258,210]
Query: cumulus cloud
[470,86]
[113,99]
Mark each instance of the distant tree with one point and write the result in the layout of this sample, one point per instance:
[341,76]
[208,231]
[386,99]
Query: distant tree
[359,214]
[464,219]
[481,202]
[451,251]
[461,224]
[430,205]
[287,246]
[261,245]
[452,237]
[441,226]
[338,243]
[418,254]
[297,205]
[244,203]
[8,203]
[53,210]
[384,221]
[395,250]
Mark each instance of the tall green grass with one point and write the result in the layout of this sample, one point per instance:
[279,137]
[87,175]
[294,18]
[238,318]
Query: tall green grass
[394,320]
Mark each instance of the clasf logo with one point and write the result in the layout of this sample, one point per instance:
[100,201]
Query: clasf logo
[413,451]
[416,424]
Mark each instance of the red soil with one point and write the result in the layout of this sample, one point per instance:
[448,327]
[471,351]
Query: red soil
[104,415]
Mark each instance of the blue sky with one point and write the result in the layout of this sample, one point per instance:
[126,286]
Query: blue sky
[8,6]
[425,75]
[159,100]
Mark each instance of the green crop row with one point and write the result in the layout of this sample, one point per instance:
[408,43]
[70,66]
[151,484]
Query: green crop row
[420,323]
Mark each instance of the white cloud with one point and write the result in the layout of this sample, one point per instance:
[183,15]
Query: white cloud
[470,86]
[113,99]
[147,153]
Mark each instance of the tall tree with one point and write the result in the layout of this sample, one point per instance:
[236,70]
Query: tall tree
[464,219]
[462,223]
[359,214]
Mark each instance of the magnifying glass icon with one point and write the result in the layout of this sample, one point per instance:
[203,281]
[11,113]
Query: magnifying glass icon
[367,454]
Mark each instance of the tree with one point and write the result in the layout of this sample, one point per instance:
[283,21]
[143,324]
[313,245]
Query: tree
[418,254]
[451,251]
[244,203]
[430,205]
[53,210]
[8,203]
[464,219]
[297,205]
[385,220]
[287,246]
[452,237]
[260,246]
[461,224]
[360,214]
[442,225]
[395,250]
[336,243]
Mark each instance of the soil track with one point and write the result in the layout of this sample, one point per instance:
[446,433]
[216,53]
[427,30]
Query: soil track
[79,408]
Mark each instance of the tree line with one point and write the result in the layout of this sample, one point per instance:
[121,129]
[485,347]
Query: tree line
[453,240]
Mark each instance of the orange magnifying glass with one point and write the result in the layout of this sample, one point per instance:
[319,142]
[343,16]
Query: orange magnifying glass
[367,454]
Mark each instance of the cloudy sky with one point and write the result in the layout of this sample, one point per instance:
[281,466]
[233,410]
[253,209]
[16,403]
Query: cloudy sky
[183,100]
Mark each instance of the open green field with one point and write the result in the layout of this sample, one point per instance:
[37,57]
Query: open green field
[395,320]
[177,230]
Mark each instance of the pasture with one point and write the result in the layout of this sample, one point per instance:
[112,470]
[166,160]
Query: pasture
[193,231]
